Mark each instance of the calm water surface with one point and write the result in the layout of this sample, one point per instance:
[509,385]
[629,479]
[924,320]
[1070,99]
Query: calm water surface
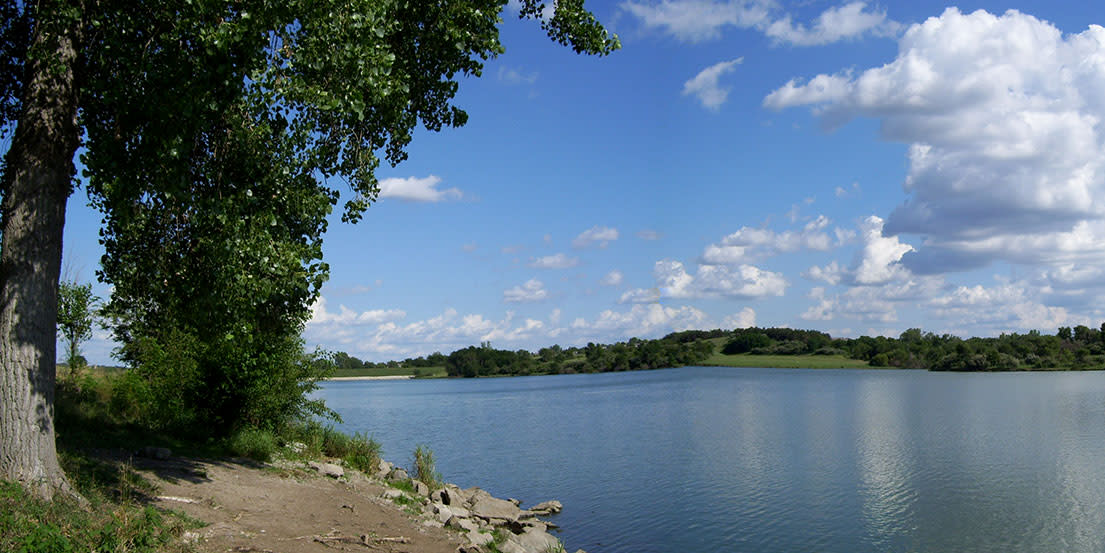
[762,460]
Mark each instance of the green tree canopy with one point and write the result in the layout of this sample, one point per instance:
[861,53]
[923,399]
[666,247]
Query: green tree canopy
[210,129]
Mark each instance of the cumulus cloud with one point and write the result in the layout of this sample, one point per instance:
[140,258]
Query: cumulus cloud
[710,281]
[701,20]
[414,189]
[749,243]
[877,262]
[1002,307]
[555,261]
[613,278]
[595,235]
[745,318]
[706,86]
[640,295]
[845,22]
[321,315]
[645,321]
[874,303]
[533,290]
[1002,114]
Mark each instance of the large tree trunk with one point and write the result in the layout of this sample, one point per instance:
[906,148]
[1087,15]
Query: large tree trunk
[37,183]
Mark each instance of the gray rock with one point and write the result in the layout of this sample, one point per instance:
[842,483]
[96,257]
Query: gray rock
[462,524]
[513,545]
[477,538]
[442,512]
[547,508]
[536,541]
[159,453]
[391,493]
[488,507]
[398,474]
[470,548]
[420,488]
[469,495]
[460,511]
[510,545]
[383,468]
[442,496]
[327,469]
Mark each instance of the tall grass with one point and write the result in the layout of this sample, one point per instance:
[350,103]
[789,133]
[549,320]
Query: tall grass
[359,451]
[424,469]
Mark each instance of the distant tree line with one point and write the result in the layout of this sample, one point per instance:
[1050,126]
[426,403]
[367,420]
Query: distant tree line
[635,354]
[1078,347]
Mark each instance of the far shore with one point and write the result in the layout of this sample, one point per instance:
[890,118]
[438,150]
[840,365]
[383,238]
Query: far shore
[390,377]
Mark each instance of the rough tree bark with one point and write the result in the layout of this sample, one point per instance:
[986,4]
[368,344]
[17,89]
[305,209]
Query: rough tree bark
[37,183]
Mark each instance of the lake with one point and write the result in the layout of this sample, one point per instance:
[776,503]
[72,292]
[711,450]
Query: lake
[707,459]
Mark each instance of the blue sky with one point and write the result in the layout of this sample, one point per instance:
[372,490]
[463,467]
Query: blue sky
[856,168]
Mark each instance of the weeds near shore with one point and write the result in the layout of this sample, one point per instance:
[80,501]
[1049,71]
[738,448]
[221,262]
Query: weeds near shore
[113,521]
[424,470]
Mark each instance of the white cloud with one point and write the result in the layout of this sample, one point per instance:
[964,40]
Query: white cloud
[532,290]
[645,321]
[321,315]
[596,234]
[747,243]
[699,20]
[842,192]
[648,234]
[745,318]
[874,303]
[1003,307]
[878,262]
[832,273]
[514,76]
[710,281]
[1003,117]
[640,295]
[613,278]
[414,189]
[555,261]
[706,87]
[849,21]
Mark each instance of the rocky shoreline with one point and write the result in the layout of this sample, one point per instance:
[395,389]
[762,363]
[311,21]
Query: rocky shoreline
[487,523]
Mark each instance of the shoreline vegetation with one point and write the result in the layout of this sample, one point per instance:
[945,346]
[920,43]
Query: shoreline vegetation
[147,491]
[1069,349]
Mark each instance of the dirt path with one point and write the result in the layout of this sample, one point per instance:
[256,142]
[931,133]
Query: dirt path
[249,508]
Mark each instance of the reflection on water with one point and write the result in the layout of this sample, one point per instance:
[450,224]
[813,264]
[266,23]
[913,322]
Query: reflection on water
[717,459]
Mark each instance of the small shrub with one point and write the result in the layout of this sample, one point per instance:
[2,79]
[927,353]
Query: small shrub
[253,443]
[424,470]
[363,454]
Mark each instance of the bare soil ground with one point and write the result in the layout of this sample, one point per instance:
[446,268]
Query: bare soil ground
[253,508]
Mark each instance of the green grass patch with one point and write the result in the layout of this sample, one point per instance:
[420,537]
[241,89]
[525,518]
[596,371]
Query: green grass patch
[785,361]
[112,522]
